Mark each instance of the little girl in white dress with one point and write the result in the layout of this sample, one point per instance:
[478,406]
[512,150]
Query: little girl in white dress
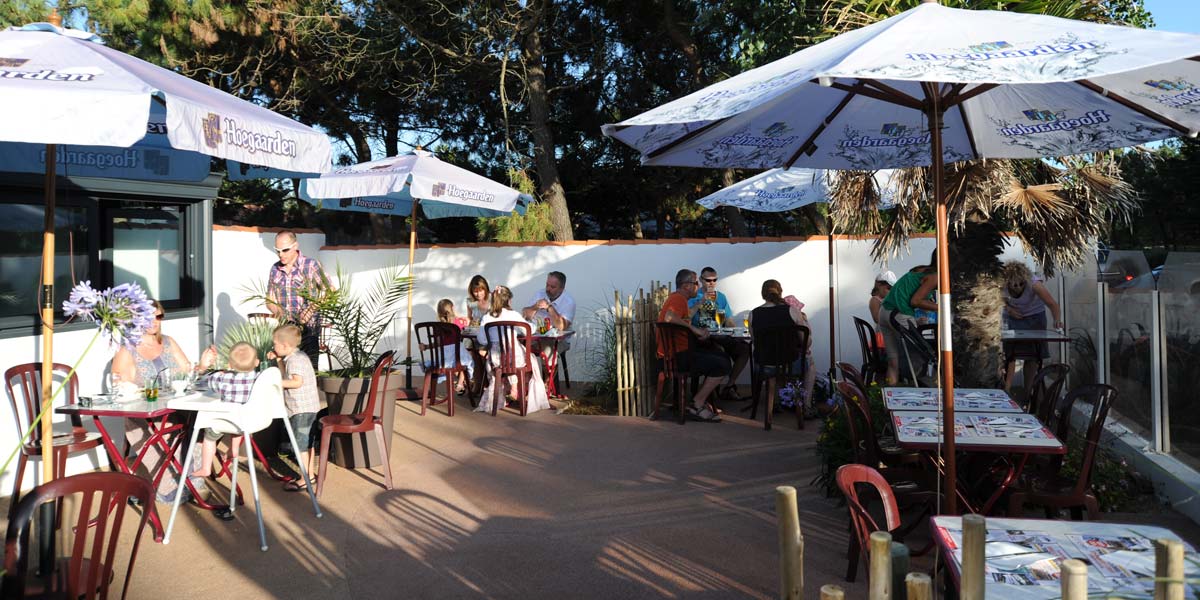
[536,398]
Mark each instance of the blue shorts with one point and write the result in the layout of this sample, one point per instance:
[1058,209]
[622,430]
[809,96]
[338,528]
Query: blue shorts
[303,424]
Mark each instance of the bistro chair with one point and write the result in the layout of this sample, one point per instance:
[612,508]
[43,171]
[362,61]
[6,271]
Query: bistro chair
[1045,390]
[441,346]
[874,361]
[775,349]
[876,451]
[363,422]
[25,381]
[512,341]
[1054,491]
[89,568]
[912,342]
[676,342]
[851,374]
[849,477]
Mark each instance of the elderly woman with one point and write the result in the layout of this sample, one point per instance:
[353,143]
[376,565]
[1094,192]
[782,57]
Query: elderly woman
[156,354]
[1025,302]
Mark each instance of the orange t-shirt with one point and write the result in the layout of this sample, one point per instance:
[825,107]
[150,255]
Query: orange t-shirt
[677,304]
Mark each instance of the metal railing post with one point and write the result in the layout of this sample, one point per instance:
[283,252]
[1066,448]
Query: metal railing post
[1101,333]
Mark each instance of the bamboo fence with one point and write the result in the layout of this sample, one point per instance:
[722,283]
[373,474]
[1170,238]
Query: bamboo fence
[633,324]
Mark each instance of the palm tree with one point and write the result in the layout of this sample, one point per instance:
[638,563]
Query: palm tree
[1056,208]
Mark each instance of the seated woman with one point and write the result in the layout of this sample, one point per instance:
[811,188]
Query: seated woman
[501,310]
[777,311]
[478,301]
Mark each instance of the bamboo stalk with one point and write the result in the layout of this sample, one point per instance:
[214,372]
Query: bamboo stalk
[832,592]
[920,586]
[974,534]
[791,544]
[900,565]
[630,354]
[880,585]
[622,396]
[1168,570]
[1074,579]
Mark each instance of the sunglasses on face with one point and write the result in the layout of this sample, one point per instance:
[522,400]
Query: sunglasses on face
[710,280]
[284,250]
[159,317]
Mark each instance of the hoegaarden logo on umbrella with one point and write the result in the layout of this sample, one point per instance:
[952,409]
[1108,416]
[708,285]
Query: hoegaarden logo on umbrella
[1001,49]
[1188,93]
[891,134]
[772,137]
[1046,121]
[218,129]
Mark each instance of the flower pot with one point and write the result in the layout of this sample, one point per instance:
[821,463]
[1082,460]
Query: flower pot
[347,396]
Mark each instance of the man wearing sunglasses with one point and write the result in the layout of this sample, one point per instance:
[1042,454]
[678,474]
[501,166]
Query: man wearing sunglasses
[704,308]
[294,281]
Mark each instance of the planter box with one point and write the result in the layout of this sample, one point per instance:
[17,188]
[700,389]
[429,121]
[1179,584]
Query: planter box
[347,396]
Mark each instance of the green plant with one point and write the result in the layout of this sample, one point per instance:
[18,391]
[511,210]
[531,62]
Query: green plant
[1117,486]
[602,356]
[833,442]
[257,333]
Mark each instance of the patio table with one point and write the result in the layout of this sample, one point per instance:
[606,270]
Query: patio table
[1023,556]
[470,333]
[976,400]
[1018,434]
[163,434]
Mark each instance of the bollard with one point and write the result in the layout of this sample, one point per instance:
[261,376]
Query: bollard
[791,544]
[1074,579]
[1168,570]
[899,570]
[920,586]
[974,535]
[880,572]
[832,592]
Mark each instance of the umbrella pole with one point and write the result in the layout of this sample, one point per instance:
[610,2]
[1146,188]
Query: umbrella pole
[832,312]
[933,93]
[412,251]
[46,514]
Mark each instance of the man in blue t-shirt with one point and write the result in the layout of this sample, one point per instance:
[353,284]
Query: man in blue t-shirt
[703,309]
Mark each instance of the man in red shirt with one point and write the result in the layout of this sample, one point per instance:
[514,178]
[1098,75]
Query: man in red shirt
[709,362]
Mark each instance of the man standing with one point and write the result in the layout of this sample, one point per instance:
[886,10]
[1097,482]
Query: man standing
[292,285]
[703,309]
[709,362]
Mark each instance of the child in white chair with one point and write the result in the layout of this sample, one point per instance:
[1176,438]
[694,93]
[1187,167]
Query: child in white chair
[299,395]
[234,385]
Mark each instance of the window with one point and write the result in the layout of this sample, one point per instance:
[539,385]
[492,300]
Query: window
[147,248]
[21,228]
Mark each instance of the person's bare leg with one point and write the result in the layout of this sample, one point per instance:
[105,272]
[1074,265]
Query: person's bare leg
[893,371]
[706,390]
[208,450]
[1009,370]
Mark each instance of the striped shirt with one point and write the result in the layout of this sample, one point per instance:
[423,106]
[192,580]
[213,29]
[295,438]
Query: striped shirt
[234,386]
[303,399]
[288,287]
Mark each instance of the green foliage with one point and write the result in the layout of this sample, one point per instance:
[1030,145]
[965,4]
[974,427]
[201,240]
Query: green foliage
[533,226]
[1117,486]
[602,356]
[1166,179]
[833,442]
[256,332]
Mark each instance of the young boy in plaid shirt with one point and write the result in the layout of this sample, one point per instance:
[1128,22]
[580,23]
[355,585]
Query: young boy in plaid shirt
[299,394]
[234,386]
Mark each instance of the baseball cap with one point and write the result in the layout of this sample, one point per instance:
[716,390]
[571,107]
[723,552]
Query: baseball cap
[887,276]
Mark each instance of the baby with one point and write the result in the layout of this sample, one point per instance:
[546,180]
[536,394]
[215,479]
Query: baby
[234,386]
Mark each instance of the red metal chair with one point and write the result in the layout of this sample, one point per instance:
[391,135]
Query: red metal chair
[676,342]
[775,349]
[26,381]
[849,477]
[88,570]
[433,337]
[363,422]
[512,343]
[1053,491]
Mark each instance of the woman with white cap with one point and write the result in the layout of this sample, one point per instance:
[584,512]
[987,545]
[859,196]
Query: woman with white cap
[883,284]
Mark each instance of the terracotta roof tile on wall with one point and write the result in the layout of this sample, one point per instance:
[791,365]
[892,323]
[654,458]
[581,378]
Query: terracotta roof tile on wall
[263,229]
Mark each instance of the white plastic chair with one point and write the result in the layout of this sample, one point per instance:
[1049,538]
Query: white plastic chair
[265,405]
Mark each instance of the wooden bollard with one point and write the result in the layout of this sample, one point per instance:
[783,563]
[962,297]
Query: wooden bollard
[791,544]
[832,592]
[880,585]
[1168,570]
[900,564]
[920,586]
[1074,579]
[974,535]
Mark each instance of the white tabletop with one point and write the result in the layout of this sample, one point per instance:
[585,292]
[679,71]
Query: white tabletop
[1002,431]
[977,400]
[1033,335]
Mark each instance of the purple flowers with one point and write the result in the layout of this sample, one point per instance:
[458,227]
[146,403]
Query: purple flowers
[122,312]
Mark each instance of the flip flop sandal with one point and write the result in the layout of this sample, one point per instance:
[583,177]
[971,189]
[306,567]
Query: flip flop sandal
[294,486]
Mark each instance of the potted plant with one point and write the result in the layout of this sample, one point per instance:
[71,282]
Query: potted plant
[356,321]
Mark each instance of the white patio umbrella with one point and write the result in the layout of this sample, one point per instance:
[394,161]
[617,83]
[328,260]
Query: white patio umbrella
[395,185]
[61,86]
[934,85]
[781,190]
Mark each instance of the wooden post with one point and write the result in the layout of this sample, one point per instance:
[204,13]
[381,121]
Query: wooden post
[899,569]
[1074,579]
[920,586]
[880,573]
[617,350]
[1168,570]
[974,535]
[832,592]
[791,544]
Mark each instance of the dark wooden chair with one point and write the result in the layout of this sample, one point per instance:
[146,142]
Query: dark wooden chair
[913,345]
[512,343]
[676,343]
[1054,491]
[775,349]
[1045,390]
[363,422]
[851,374]
[433,338]
[23,383]
[874,362]
[87,571]
[876,453]
[849,477]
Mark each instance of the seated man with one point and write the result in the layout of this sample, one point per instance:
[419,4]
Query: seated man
[554,305]
[708,362]
[703,309]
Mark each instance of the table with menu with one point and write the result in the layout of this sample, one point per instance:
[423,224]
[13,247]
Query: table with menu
[976,400]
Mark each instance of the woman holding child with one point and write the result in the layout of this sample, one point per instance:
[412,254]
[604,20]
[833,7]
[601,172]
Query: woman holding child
[501,310]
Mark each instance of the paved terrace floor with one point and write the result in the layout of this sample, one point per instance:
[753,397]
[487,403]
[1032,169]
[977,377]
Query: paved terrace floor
[548,506]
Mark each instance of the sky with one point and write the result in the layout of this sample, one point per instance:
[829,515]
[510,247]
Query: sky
[1175,15]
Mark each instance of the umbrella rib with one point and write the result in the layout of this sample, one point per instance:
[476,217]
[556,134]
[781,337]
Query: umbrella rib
[959,98]
[804,148]
[683,138]
[962,114]
[862,89]
[1133,106]
[898,97]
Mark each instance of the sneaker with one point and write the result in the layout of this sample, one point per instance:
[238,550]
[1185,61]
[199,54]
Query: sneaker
[705,414]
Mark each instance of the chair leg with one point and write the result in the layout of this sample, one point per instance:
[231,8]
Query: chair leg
[324,460]
[658,393]
[497,390]
[852,552]
[16,493]
[800,412]
[426,388]
[524,380]
[1093,507]
[1016,505]
[387,459]
[452,390]
[770,404]
[262,530]
[681,398]
[187,468]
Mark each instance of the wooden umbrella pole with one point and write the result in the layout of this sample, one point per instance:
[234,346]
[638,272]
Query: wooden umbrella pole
[47,313]
[832,313]
[945,348]
[412,253]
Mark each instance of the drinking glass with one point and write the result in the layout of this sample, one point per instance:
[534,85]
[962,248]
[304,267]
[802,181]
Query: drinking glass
[112,381]
[720,315]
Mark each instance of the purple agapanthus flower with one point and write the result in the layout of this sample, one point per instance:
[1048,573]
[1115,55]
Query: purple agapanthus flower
[123,312]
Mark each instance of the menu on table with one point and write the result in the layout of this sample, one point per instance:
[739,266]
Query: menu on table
[1007,429]
[964,399]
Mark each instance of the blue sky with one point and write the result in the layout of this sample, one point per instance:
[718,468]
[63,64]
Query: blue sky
[1175,15]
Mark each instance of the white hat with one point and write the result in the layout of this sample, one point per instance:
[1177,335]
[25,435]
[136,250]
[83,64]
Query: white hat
[887,276]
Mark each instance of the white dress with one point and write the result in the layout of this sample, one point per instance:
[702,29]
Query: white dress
[536,398]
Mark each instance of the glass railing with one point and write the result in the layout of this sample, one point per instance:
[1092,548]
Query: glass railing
[1128,306]
[1080,304]
[1179,302]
